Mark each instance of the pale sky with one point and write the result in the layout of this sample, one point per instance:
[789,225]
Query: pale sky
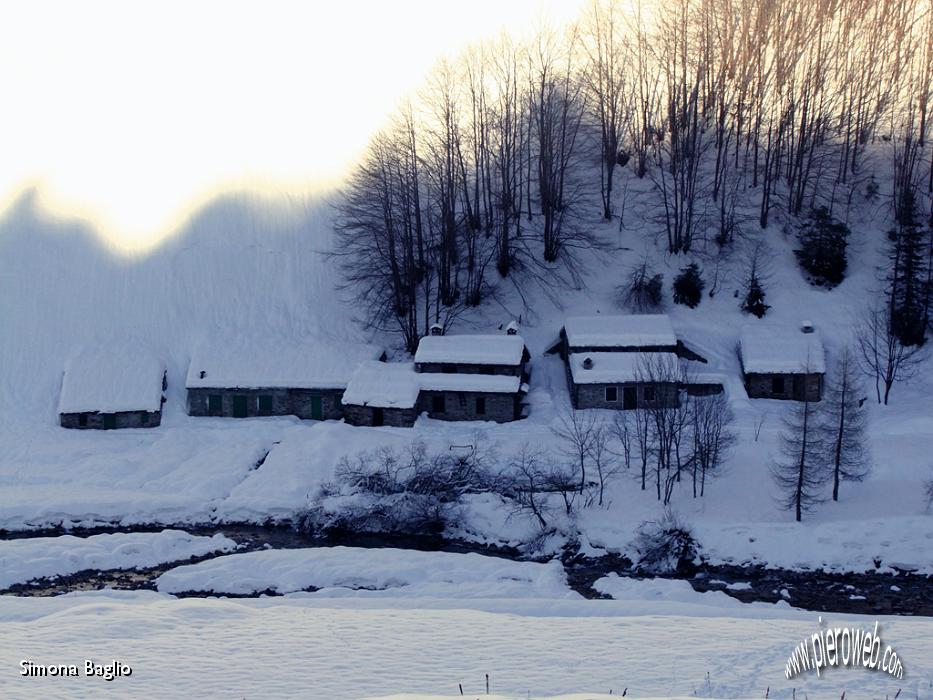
[130,114]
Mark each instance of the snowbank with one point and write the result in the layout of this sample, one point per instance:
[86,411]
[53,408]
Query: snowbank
[394,572]
[26,559]
[110,379]
[346,649]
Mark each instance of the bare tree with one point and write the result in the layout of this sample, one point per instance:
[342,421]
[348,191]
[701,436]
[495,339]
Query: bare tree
[883,356]
[713,437]
[603,458]
[577,431]
[800,471]
[845,423]
[605,78]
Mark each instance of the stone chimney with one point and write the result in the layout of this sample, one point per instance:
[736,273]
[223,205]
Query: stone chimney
[437,329]
[587,363]
[806,327]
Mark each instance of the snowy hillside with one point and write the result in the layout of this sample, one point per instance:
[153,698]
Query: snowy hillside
[251,271]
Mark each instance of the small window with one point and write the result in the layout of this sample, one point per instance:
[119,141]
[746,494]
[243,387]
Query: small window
[82,420]
[649,393]
[437,403]
[265,405]
[215,405]
[481,405]
[777,384]
[612,393]
[449,369]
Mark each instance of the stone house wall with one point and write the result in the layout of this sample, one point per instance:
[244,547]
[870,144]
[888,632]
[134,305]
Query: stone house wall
[396,417]
[797,387]
[92,420]
[462,405]
[594,395]
[285,402]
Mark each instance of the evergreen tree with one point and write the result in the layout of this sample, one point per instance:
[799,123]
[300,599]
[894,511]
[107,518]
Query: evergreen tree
[845,423]
[754,302]
[822,251]
[908,276]
[688,286]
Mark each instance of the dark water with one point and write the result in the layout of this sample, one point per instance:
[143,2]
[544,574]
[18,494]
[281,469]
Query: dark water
[901,593]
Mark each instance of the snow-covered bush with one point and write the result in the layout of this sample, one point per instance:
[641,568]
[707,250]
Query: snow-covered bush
[402,492]
[644,289]
[688,286]
[754,301]
[665,546]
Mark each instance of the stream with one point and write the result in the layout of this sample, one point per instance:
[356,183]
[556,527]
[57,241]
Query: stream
[899,593]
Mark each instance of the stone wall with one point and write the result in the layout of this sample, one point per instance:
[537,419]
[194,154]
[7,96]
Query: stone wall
[458,368]
[797,387]
[396,417]
[594,395]
[122,419]
[461,405]
[285,402]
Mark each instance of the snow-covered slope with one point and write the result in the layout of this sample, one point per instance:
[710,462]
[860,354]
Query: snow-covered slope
[246,268]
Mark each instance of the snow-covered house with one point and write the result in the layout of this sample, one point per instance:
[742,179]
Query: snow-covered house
[382,393]
[107,389]
[273,378]
[779,362]
[623,380]
[459,377]
[473,354]
[620,362]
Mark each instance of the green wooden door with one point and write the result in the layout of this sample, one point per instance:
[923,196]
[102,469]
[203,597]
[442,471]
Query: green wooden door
[317,408]
[239,406]
[110,421]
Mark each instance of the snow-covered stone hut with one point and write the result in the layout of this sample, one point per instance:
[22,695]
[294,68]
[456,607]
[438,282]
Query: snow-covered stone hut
[273,379]
[620,362]
[623,380]
[382,393]
[472,377]
[781,362]
[104,389]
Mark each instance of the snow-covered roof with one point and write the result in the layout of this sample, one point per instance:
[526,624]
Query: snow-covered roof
[490,383]
[771,349]
[633,330]
[397,385]
[276,364]
[111,380]
[621,367]
[383,384]
[471,349]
